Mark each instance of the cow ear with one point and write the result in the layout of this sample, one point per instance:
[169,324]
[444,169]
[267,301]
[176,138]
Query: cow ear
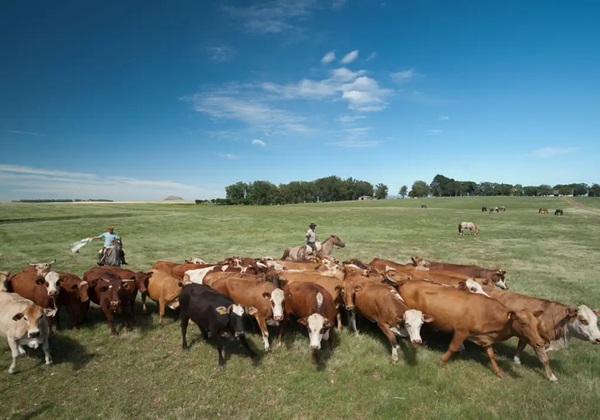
[462,285]
[428,318]
[40,281]
[327,324]
[596,312]
[303,321]
[571,312]
[512,315]
[266,295]
[338,288]
[18,316]
[74,287]
[49,312]
[251,311]
[485,282]
[538,313]
[221,310]
[357,288]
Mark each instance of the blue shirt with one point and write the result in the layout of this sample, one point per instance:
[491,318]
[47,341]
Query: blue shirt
[108,238]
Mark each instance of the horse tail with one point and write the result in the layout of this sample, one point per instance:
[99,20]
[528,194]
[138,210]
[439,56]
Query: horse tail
[286,253]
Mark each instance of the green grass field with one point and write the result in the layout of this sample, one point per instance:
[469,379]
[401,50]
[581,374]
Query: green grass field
[145,374]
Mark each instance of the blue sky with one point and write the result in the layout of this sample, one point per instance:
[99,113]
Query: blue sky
[138,100]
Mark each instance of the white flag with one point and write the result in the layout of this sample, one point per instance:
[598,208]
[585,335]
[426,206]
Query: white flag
[76,246]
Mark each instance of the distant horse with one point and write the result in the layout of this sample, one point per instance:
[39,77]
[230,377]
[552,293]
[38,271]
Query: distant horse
[543,210]
[472,227]
[502,208]
[494,209]
[484,209]
[423,206]
[299,253]
[114,254]
[558,212]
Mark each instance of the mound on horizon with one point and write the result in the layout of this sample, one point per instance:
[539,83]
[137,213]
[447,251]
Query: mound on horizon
[173,197]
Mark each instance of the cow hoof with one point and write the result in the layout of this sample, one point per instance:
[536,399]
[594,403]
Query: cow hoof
[517,360]
[222,367]
[11,370]
[500,374]
[553,379]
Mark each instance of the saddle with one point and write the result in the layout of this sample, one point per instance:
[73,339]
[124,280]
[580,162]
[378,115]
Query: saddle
[309,250]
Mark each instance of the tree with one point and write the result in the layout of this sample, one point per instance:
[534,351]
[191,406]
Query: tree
[381,191]
[594,191]
[403,191]
[237,192]
[545,190]
[419,189]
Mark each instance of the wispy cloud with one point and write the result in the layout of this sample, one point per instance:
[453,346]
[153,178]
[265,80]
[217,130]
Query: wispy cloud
[347,119]
[356,137]
[372,56]
[220,53]
[546,152]
[444,118]
[273,17]
[328,58]
[228,156]
[403,76]
[259,142]
[356,143]
[350,57]
[20,182]
[27,133]
[434,132]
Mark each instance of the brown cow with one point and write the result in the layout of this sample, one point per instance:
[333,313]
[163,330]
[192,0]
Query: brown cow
[558,323]
[73,293]
[41,269]
[165,266]
[470,317]
[497,277]
[264,296]
[105,291]
[382,304]
[314,307]
[164,289]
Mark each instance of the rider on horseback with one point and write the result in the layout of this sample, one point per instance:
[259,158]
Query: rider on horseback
[311,238]
[108,237]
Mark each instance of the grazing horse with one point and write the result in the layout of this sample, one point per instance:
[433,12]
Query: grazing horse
[423,206]
[472,227]
[299,253]
[502,208]
[113,254]
[543,210]
[494,209]
[558,212]
[483,208]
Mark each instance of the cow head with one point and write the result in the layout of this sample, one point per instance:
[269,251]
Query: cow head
[318,327]
[195,260]
[499,279]
[526,325]
[52,282]
[276,298]
[42,268]
[109,290]
[348,289]
[82,291]
[236,313]
[141,280]
[472,286]
[420,263]
[396,278]
[412,321]
[33,315]
[584,323]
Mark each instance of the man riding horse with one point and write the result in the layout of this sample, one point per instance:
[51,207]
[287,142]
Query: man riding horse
[311,238]
[109,238]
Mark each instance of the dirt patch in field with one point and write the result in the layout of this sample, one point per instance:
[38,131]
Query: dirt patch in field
[579,205]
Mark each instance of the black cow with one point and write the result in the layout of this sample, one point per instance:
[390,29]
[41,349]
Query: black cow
[214,313]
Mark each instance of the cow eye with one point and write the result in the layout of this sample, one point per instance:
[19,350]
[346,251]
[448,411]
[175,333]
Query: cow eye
[583,321]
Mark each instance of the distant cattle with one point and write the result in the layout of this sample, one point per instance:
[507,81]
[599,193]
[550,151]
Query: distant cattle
[23,323]
[558,212]
[543,210]
[423,206]
[484,209]
[502,208]
[214,313]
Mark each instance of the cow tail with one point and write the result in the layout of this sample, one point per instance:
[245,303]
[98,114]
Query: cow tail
[459,230]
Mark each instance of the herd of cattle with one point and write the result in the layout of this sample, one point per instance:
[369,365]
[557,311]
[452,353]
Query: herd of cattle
[470,302]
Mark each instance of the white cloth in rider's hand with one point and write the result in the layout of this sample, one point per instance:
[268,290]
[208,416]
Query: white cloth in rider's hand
[76,246]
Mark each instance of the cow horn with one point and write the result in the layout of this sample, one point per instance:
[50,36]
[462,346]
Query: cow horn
[52,262]
[100,278]
[128,280]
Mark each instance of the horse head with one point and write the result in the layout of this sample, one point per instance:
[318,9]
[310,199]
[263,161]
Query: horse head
[335,240]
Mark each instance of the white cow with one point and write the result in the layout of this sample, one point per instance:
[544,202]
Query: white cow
[23,323]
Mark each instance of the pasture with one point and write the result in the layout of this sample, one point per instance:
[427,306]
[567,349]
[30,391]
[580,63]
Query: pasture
[144,373]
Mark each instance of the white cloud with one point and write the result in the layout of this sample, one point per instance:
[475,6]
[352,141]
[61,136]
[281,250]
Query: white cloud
[228,156]
[364,94]
[547,152]
[328,58]
[372,56]
[434,132]
[356,143]
[356,137]
[273,17]
[403,76]
[444,118]
[220,53]
[350,57]
[347,119]
[22,182]
[28,133]
[259,142]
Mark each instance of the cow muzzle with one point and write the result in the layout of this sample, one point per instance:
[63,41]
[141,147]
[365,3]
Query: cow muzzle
[596,341]
[350,308]
[278,318]
[416,343]
[33,334]
[315,346]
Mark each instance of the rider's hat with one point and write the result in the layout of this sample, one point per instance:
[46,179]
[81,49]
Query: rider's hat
[111,228]
[312,225]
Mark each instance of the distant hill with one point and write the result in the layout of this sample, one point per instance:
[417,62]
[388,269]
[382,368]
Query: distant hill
[173,197]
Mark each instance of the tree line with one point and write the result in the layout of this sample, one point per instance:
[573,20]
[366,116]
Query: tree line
[334,188]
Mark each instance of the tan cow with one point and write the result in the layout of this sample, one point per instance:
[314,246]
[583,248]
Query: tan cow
[558,323]
[495,276]
[164,289]
[470,316]
[23,323]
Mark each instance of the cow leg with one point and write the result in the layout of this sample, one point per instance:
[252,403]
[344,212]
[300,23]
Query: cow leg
[454,346]
[14,349]
[392,337]
[110,320]
[46,348]
[264,330]
[161,310]
[184,324]
[352,321]
[520,347]
[144,309]
[543,356]
[495,367]
[247,346]
[219,343]
[280,336]
[338,316]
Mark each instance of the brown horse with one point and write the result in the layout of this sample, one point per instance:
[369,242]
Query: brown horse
[298,253]
[543,210]
[472,227]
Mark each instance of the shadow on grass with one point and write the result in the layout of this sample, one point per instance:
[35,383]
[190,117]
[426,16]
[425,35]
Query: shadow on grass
[67,350]
[32,412]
